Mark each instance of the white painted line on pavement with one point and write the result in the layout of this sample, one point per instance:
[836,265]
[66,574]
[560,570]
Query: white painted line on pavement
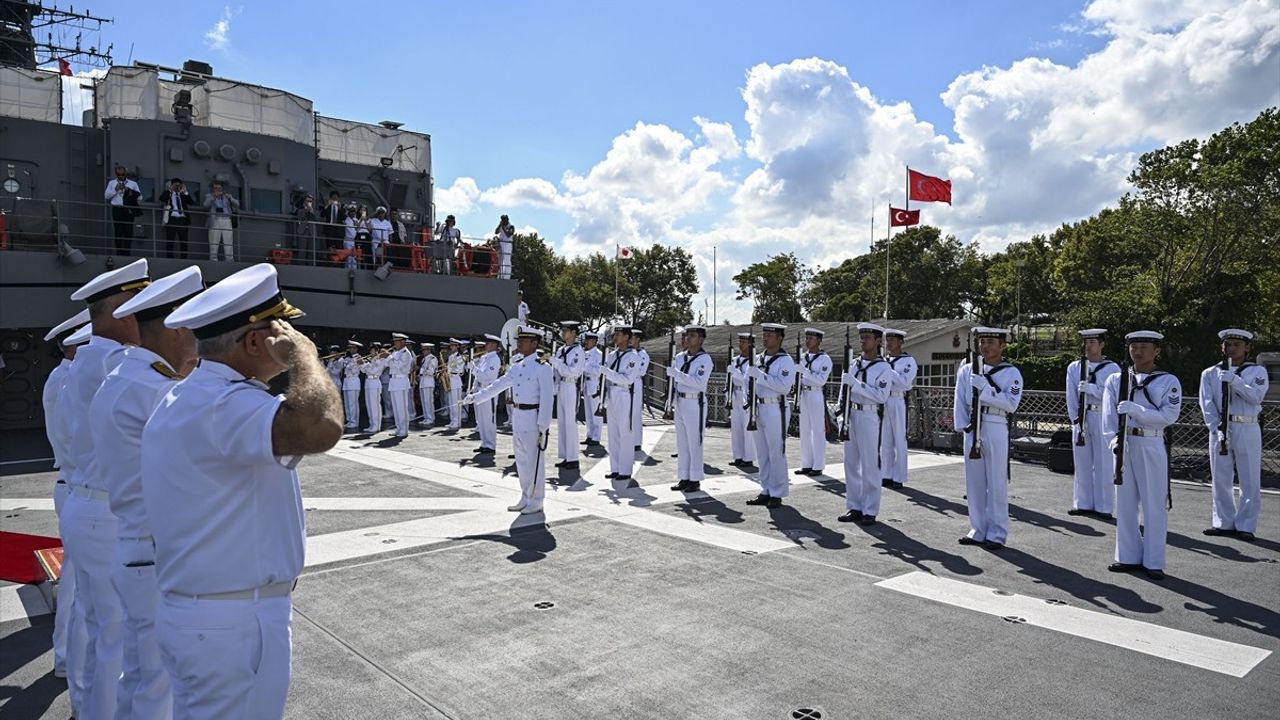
[21,601]
[1187,648]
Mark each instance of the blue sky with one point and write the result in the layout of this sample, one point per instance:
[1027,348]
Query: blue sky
[750,125]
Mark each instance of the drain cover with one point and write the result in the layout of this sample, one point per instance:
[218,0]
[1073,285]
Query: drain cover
[1056,601]
[1014,619]
[1002,592]
[806,714]
[544,605]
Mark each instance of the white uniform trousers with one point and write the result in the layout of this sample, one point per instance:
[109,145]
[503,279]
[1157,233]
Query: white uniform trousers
[691,422]
[595,424]
[637,417]
[487,423]
[530,464]
[771,448]
[567,421]
[89,531]
[455,399]
[893,440]
[144,687]
[373,404]
[1146,490]
[744,447]
[427,396]
[351,403]
[813,431]
[986,482]
[228,659]
[1094,487]
[1244,455]
[400,400]
[388,410]
[862,473]
[221,234]
[622,438]
[70,641]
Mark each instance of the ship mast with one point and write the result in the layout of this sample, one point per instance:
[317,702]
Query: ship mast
[34,34]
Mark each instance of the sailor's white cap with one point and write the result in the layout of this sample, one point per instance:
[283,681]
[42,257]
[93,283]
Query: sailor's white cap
[1235,333]
[529,331]
[243,298]
[569,324]
[624,329]
[70,323]
[490,337]
[990,332]
[161,297]
[79,337]
[870,327]
[455,341]
[353,343]
[130,277]
[696,328]
[1150,336]
[1093,333]
[590,335]
[894,332]
[774,327]
[746,336]
[399,336]
[425,345]
[813,331]
[637,332]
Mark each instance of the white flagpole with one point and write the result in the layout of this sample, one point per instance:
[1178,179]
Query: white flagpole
[617,260]
[887,237]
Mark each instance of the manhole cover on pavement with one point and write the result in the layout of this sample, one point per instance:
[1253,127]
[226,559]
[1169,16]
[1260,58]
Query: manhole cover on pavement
[544,605]
[806,714]
[1014,619]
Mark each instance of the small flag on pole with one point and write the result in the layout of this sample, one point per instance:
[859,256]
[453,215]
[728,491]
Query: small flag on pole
[64,67]
[927,188]
[624,252]
[903,218]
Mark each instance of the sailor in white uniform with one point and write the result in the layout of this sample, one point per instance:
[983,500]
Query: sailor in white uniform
[533,390]
[814,370]
[744,451]
[593,357]
[690,371]
[69,639]
[400,363]
[522,309]
[1152,403]
[893,443]
[774,377]
[1237,453]
[867,382]
[999,388]
[334,366]
[642,361]
[622,374]
[125,402]
[351,384]
[1093,491]
[219,480]
[372,368]
[87,525]
[485,369]
[428,365]
[567,364]
[455,364]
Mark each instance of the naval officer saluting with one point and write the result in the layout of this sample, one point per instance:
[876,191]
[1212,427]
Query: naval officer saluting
[1238,451]
[124,403]
[533,391]
[221,489]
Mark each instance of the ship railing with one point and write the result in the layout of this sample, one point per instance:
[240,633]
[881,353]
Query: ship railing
[65,226]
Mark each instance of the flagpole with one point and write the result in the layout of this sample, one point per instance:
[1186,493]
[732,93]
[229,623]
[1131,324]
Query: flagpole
[713,284]
[617,250]
[907,206]
[888,230]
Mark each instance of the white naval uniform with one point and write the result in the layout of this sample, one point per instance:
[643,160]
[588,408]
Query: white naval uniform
[385,377]
[1145,488]
[743,446]
[814,370]
[1244,444]
[351,391]
[227,517]
[1094,488]
[88,530]
[484,371]
[533,391]
[334,367]
[124,404]
[522,312]
[567,365]
[622,375]
[427,387]
[372,370]
[642,360]
[893,431]
[593,358]
[400,363]
[690,374]
[867,386]
[455,364]
[775,376]
[987,479]
[70,642]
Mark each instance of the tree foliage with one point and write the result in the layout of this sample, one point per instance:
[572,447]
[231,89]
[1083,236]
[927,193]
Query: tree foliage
[774,286]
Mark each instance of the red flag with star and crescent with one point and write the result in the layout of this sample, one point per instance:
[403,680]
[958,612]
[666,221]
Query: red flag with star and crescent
[927,188]
[903,218]
[64,67]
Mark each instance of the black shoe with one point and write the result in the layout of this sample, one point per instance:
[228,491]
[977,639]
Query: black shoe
[736,463]
[693,486]
[1101,515]
[479,451]
[569,465]
[1119,567]
[774,503]
[1154,574]
[1218,531]
[680,486]
[895,485]
[560,463]
[850,516]
[620,478]
[1246,536]
[487,451]
[814,472]
[886,482]
[966,540]
[993,545]
[801,471]
[1078,511]
[866,520]
[511,457]
[760,499]
[638,448]
[611,476]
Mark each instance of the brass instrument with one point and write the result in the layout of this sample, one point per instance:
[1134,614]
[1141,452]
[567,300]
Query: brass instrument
[442,371]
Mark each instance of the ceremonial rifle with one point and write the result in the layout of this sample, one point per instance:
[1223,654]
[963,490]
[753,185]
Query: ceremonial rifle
[751,383]
[1224,422]
[728,381]
[975,409]
[1122,423]
[600,406]
[668,408]
[844,388]
[1084,366]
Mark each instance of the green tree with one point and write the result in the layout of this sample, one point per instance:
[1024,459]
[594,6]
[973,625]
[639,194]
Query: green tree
[656,288]
[1021,277]
[584,290]
[534,263]
[775,286]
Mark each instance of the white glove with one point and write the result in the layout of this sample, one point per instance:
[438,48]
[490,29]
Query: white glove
[544,430]
[1088,388]
[468,399]
[1129,407]
[848,379]
[1113,444]
[1237,381]
[979,383]
[756,373]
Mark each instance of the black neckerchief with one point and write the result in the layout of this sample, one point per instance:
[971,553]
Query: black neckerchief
[1093,374]
[895,360]
[863,368]
[688,360]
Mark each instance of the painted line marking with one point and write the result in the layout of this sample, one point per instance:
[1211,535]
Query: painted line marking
[21,601]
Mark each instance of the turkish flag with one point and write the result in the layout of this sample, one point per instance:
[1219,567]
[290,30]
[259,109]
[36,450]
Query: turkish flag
[927,188]
[903,218]
[64,67]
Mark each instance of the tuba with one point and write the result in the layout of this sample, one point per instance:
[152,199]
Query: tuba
[442,372]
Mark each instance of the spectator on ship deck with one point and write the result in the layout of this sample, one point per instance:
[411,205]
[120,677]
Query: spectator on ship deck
[177,219]
[364,233]
[349,236]
[334,217]
[221,207]
[447,248]
[379,234]
[122,193]
[304,239]
[506,233]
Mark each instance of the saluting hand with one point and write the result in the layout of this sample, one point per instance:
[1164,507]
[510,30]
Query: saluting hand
[285,343]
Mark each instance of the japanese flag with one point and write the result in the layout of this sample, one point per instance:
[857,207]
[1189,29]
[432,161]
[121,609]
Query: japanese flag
[624,252]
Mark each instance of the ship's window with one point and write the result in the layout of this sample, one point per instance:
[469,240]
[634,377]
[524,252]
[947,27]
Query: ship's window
[147,186]
[267,201]
[399,193]
[193,189]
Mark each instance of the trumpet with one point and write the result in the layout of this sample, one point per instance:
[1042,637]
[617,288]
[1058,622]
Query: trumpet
[442,372]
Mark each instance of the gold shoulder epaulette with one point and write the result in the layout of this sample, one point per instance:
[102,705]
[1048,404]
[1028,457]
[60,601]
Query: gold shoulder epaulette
[166,371]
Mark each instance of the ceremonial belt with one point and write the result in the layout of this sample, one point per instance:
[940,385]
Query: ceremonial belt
[280,589]
[810,387]
[1091,407]
[995,412]
[527,406]
[1145,432]
[1243,418]
[87,492]
[897,393]
[404,375]
[769,400]
[872,407]
[688,396]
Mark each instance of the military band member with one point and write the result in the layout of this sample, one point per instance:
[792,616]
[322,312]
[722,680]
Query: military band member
[567,365]
[428,365]
[372,368]
[1094,490]
[87,526]
[455,364]
[690,371]
[219,477]
[774,378]
[744,451]
[400,364]
[867,382]
[125,402]
[484,371]
[351,384]
[1153,403]
[385,413]
[893,443]
[334,365]
[999,388]
[814,370]
[533,390]
[622,373]
[593,358]
[1242,441]
[643,361]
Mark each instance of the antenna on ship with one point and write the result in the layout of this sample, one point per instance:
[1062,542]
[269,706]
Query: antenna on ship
[64,34]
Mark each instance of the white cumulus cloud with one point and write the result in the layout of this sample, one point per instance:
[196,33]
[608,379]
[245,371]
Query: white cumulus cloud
[218,36]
